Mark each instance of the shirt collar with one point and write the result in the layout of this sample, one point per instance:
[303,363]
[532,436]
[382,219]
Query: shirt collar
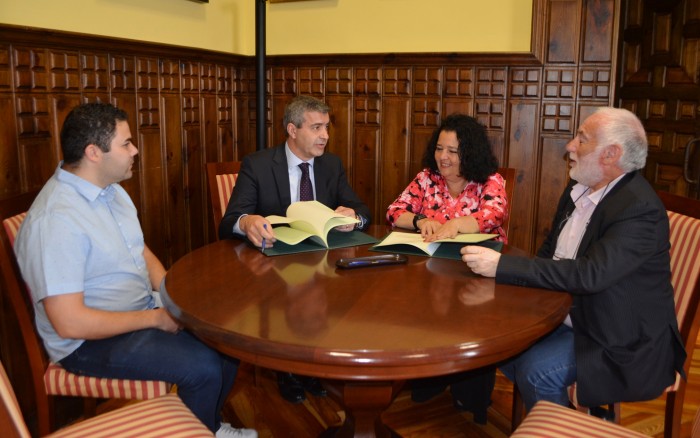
[579,190]
[85,188]
[294,161]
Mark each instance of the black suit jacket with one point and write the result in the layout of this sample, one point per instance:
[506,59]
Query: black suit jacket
[626,337]
[262,187]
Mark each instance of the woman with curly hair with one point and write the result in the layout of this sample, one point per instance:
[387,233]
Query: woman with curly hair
[459,189]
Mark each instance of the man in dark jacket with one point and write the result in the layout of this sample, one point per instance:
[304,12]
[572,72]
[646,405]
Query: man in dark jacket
[297,170]
[609,248]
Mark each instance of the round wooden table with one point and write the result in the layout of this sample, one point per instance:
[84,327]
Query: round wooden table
[365,331]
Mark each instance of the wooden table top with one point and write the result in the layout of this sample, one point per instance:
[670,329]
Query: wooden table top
[299,313]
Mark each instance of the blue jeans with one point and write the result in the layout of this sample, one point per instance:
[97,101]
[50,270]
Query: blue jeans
[545,370]
[203,376]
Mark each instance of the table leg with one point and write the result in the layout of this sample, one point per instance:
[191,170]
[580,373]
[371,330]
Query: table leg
[364,403]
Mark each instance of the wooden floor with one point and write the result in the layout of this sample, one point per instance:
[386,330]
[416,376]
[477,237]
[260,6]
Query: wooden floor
[259,405]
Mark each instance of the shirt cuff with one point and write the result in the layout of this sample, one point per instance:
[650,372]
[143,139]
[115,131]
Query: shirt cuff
[236,226]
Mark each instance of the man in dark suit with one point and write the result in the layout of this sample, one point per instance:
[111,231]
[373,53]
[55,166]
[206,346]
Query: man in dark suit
[271,179]
[609,248]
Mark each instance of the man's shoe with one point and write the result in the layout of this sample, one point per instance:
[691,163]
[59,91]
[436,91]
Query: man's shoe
[290,388]
[422,393]
[480,414]
[312,385]
[603,413]
[226,431]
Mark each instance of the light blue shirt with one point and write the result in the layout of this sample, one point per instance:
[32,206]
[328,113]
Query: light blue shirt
[78,237]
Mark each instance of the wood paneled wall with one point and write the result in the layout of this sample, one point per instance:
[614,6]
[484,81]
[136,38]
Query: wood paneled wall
[188,107]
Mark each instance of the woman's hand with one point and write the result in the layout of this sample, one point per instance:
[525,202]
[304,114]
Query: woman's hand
[450,229]
[447,230]
[428,227]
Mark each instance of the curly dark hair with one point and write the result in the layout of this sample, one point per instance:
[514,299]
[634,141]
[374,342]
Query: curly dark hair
[477,161]
[89,123]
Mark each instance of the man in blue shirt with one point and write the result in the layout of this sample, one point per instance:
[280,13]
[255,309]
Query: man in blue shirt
[92,278]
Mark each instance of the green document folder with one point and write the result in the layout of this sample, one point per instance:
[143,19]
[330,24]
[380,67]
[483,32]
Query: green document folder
[445,250]
[336,239]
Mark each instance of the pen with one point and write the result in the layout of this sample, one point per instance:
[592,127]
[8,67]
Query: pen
[262,247]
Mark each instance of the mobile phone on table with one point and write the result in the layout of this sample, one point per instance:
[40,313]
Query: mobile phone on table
[376,260]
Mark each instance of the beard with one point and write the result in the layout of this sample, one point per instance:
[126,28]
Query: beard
[587,170]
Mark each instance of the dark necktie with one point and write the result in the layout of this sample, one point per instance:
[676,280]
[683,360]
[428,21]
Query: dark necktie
[306,192]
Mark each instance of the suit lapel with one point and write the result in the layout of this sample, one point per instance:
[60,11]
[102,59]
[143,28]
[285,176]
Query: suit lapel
[320,180]
[595,221]
[280,173]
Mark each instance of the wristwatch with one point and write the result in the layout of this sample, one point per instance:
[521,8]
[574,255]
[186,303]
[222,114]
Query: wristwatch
[416,218]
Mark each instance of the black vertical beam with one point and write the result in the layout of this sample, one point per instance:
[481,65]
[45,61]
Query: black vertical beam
[260,73]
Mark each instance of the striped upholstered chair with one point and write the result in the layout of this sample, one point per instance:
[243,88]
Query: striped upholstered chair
[508,174]
[49,379]
[551,420]
[684,220]
[222,177]
[164,416]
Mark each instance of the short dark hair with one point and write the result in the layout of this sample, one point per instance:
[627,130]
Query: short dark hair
[476,159]
[86,124]
[294,111]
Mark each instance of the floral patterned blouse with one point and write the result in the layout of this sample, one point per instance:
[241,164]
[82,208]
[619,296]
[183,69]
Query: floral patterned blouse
[428,194]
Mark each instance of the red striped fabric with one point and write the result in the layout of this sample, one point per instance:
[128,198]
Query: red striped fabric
[12,225]
[696,425]
[225,182]
[164,416]
[11,406]
[554,421]
[685,258]
[58,381]
[685,266]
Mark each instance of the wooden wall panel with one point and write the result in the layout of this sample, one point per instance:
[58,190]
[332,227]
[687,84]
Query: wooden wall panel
[34,139]
[153,192]
[341,134]
[277,132]
[11,175]
[5,68]
[660,82]
[366,150]
[523,155]
[564,31]
[394,155]
[175,231]
[30,69]
[194,183]
[599,31]
[551,183]
[212,150]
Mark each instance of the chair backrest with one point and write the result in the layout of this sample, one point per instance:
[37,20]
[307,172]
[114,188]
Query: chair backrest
[16,295]
[684,220]
[11,421]
[508,174]
[221,177]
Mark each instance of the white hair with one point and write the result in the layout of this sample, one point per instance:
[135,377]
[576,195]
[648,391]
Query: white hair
[622,127]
